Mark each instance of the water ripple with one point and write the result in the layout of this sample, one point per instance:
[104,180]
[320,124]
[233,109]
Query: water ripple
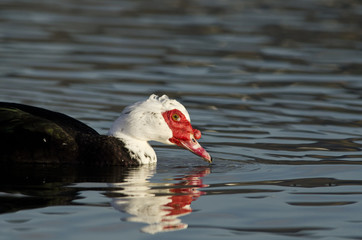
[275,88]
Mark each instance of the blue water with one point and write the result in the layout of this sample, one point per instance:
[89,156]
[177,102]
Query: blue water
[275,87]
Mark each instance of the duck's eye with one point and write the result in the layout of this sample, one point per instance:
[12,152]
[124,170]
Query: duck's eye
[176,117]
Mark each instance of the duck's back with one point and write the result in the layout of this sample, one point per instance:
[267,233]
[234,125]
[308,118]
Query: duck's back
[36,135]
[24,116]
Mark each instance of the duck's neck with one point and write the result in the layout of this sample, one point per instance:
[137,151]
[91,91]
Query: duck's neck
[139,150]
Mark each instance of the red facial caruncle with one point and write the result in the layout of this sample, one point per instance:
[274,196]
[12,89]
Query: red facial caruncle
[183,135]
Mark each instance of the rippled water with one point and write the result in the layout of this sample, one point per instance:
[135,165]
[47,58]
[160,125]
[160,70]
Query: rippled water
[275,87]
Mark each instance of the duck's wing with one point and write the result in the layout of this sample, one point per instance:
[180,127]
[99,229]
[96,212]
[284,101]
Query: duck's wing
[31,134]
[25,113]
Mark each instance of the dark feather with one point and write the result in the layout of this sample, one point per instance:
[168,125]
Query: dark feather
[35,135]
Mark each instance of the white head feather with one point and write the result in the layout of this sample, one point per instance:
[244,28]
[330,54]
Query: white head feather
[142,122]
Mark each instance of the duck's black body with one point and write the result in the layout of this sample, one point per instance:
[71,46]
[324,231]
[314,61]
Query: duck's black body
[35,135]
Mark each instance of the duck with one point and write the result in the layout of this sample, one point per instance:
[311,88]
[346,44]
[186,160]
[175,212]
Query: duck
[30,134]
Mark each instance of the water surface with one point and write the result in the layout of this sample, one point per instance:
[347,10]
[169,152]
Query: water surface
[275,87]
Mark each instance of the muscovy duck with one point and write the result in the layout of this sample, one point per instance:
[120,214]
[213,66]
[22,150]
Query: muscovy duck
[35,135]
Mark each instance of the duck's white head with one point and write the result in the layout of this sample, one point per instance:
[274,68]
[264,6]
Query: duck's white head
[156,119]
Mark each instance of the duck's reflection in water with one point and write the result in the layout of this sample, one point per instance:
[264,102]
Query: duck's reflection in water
[159,205]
